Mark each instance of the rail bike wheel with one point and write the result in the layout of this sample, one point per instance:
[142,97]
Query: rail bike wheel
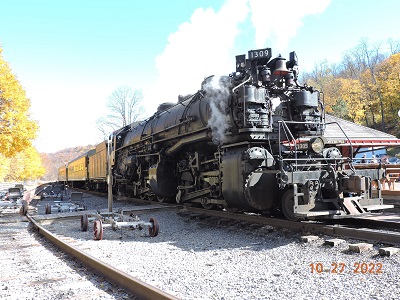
[47,210]
[153,230]
[287,205]
[84,222]
[24,207]
[98,230]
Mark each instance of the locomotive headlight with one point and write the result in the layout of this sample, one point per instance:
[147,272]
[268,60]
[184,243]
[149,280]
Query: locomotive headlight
[317,144]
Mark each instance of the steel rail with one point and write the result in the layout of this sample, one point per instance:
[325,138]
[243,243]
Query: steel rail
[315,228]
[371,223]
[135,286]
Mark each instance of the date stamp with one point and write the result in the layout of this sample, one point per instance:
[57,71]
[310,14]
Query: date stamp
[340,267]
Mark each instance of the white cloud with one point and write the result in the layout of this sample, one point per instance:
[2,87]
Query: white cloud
[281,19]
[199,48]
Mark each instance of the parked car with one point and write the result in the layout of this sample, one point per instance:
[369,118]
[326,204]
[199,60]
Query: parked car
[393,160]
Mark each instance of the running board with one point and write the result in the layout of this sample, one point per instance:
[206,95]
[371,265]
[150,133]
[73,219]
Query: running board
[377,207]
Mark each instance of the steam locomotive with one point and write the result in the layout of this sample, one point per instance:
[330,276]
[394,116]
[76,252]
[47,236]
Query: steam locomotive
[253,141]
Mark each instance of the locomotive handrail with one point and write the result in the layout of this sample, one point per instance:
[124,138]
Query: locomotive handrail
[283,123]
[340,127]
[238,86]
[291,138]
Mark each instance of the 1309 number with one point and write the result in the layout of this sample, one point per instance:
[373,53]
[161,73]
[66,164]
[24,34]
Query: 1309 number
[260,53]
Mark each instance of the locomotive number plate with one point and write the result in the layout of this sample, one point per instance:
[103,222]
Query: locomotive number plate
[260,53]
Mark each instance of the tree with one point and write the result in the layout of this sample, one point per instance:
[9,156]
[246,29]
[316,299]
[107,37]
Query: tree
[388,82]
[125,108]
[17,129]
[25,165]
[323,77]
[363,61]
[351,93]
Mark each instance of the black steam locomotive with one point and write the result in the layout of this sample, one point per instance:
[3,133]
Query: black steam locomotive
[253,140]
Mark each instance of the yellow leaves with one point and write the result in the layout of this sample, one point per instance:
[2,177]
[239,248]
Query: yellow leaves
[16,128]
[4,167]
[25,165]
[18,159]
[351,93]
[364,93]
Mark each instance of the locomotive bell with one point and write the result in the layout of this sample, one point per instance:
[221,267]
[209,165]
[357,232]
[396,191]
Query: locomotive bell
[280,67]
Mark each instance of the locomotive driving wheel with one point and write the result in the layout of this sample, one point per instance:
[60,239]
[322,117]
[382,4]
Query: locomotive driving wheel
[287,205]
[153,230]
[98,230]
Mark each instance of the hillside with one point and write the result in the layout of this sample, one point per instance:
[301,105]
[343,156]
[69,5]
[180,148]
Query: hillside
[52,161]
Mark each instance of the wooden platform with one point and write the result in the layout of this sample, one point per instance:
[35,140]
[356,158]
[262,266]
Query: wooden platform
[389,194]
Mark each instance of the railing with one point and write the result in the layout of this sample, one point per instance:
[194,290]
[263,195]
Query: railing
[293,145]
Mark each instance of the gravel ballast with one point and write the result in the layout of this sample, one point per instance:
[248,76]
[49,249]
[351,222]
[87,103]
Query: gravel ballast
[31,268]
[207,258]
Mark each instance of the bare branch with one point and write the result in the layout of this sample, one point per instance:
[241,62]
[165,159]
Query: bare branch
[124,106]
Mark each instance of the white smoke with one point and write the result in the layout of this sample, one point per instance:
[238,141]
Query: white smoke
[199,48]
[217,94]
[205,45]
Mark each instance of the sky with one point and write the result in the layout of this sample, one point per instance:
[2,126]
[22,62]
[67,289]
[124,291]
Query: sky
[70,56]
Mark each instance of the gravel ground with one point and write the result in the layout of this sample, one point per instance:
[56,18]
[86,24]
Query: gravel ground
[31,268]
[207,258]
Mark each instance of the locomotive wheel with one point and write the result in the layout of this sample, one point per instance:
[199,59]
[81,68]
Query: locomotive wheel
[153,231]
[287,205]
[208,206]
[84,222]
[98,230]
[47,209]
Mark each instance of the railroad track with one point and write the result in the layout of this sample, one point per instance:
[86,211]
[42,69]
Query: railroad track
[135,286]
[33,268]
[368,229]
[366,234]
[170,245]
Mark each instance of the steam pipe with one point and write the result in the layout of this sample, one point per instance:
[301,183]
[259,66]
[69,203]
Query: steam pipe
[202,136]
[236,87]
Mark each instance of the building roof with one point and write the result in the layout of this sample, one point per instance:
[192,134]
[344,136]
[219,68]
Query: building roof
[337,129]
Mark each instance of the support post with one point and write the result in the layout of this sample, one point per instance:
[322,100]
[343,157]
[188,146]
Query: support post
[109,175]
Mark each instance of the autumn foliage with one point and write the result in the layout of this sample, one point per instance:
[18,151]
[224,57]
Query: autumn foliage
[18,159]
[363,88]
